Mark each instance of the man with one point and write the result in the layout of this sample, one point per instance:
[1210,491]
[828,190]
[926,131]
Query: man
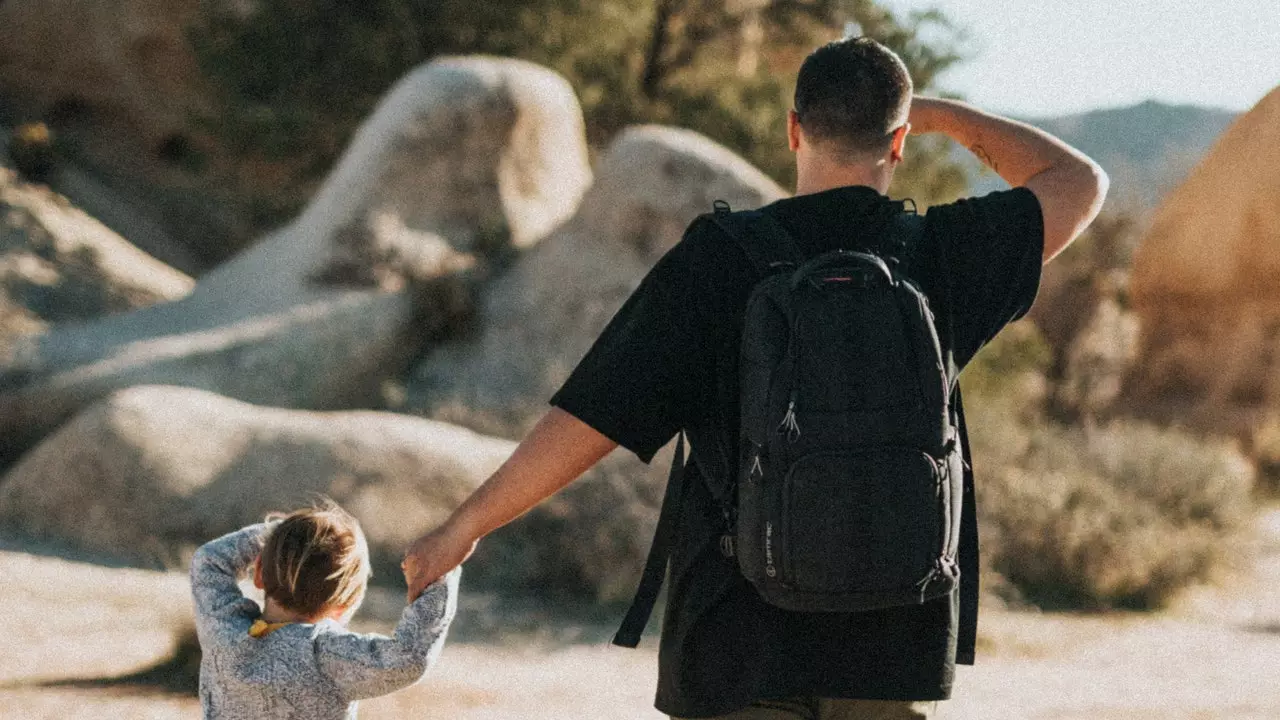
[658,367]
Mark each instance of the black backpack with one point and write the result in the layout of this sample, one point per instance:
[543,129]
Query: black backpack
[848,485]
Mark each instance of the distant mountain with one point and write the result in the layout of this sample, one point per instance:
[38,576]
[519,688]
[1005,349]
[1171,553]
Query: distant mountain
[1147,149]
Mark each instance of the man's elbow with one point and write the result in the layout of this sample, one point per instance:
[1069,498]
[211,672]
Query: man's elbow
[1071,197]
[1098,183]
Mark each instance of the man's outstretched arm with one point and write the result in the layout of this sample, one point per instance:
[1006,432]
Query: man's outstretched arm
[1069,185]
[555,453]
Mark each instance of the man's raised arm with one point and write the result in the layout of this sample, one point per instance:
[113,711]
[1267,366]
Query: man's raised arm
[1069,185]
[558,450]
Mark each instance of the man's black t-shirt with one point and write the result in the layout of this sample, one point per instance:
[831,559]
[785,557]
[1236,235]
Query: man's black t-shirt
[668,360]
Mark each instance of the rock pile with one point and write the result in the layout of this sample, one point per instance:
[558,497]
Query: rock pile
[464,158]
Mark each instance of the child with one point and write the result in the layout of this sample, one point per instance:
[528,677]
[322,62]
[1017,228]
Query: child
[294,657]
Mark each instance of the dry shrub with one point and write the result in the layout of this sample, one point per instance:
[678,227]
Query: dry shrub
[1117,517]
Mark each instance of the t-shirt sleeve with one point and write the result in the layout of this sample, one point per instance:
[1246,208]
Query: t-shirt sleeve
[989,253]
[637,383]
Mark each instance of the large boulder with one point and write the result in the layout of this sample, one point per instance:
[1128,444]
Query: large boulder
[57,264]
[466,159]
[153,470]
[1206,285]
[150,472]
[538,320]
[483,154]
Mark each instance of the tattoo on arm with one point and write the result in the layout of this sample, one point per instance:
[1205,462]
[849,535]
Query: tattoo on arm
[981,152]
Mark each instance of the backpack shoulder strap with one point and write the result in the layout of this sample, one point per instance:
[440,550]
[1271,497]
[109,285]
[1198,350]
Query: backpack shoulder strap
[767,245]
[655,565]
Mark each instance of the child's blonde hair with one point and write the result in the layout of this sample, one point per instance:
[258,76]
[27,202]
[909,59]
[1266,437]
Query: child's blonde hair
[316,560]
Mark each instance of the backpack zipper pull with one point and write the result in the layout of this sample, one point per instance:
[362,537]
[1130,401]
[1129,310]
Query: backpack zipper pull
[789,422]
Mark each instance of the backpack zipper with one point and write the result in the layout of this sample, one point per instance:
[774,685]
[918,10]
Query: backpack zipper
[789,422]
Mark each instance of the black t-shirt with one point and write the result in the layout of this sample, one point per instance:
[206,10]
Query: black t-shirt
[663,364]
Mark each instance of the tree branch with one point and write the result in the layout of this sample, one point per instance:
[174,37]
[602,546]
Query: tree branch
[659,38]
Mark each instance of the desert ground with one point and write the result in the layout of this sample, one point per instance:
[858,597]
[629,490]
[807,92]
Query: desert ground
[80,639]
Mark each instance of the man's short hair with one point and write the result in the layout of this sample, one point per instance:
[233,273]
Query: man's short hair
[852,94]
[316,559]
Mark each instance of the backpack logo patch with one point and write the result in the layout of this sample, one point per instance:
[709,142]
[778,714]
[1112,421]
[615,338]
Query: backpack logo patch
[768,550]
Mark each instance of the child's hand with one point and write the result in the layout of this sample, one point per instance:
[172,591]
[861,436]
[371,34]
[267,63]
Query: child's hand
[431,556]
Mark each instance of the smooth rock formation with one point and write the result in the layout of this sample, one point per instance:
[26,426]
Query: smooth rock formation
[1206,285]
[150,472]
[536,321]
[153,469]
[57,264]
[465,159]
[479,153]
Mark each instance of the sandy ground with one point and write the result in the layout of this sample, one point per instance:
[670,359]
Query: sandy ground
[1215,656]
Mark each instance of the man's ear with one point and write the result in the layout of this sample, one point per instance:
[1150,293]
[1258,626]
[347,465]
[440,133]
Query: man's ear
[899,143]
[257,573]
[793,130]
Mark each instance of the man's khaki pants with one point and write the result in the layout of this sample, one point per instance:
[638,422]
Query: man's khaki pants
[824,709]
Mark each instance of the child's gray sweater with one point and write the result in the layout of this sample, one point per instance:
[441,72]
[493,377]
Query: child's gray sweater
[301,670]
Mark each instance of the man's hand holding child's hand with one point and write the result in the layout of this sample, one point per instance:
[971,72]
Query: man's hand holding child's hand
[433,555]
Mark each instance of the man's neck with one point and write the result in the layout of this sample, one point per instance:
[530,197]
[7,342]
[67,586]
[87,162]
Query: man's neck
[819,175]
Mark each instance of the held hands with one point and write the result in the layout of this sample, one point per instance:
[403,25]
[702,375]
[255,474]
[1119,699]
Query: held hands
[433,555]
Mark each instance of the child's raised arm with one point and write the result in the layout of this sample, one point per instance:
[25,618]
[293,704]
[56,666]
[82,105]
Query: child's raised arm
[365,666]
[215,568]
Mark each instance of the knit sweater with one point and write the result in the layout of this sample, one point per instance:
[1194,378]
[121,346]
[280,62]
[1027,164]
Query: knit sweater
[315,671]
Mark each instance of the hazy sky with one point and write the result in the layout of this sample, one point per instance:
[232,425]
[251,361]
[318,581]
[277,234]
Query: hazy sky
[1050,57]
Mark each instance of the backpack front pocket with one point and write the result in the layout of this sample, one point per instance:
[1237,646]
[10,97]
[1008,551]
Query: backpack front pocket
[864,521]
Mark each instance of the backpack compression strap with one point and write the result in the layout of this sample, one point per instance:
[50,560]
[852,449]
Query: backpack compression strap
[655,566]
